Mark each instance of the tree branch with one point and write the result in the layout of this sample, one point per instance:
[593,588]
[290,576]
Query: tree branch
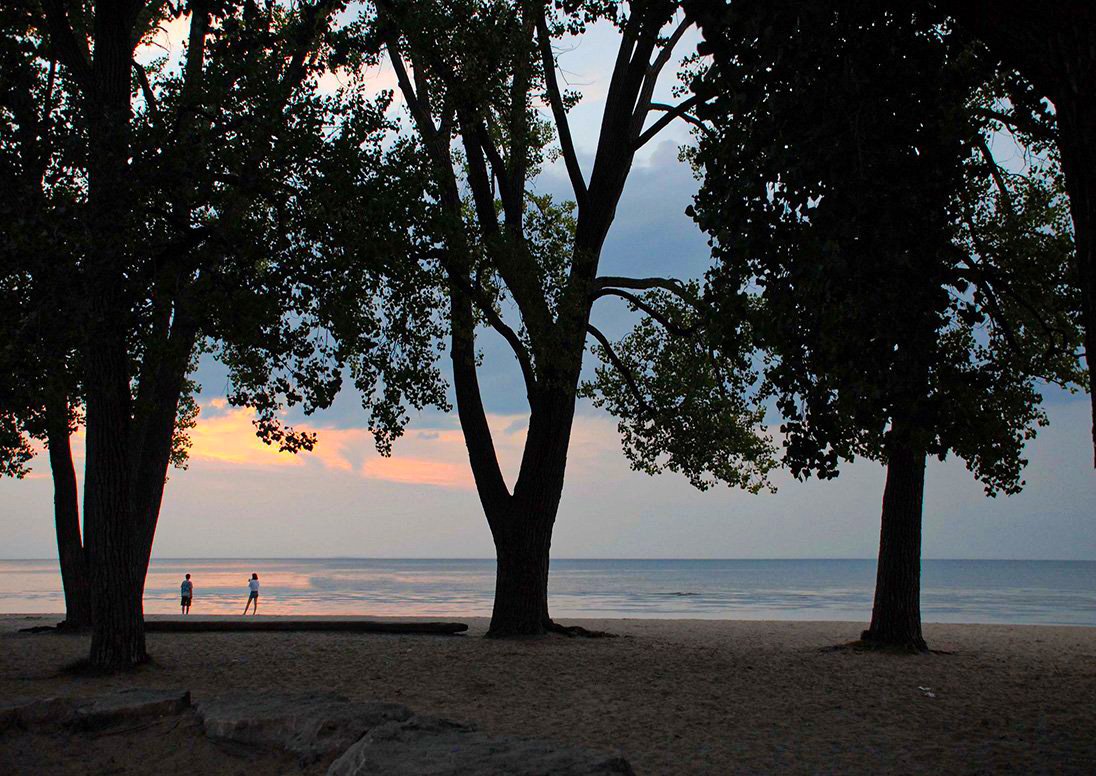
[675,112]
[146,88]
[1035,130]
[670,326]
[650,78]
[622,369]
[68,48]
[499,325]
[995,171]
[690,118]
[423,120]
[559,113]
[642,284]
[668,49]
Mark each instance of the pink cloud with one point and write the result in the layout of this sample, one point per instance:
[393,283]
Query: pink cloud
[424,456]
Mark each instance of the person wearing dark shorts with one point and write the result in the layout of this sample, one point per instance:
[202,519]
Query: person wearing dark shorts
[253,594]
[187,590]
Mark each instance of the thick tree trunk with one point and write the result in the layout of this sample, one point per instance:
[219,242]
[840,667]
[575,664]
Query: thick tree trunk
[113,534]
[896,613]
[521,523]
[521,577]
[66,514]
[112,529]
[522,530]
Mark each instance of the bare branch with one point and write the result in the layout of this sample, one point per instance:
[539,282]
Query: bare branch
[622,368]
[511,336]
[670,326]
[688,117]
[995,171]
[559,113]
[668,49]
[650,78]
[640,284]
[519,117]
[1032,128]
[146,88]
[479,182]
[678,111]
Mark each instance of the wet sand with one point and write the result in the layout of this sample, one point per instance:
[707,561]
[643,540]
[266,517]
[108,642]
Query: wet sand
[672,696]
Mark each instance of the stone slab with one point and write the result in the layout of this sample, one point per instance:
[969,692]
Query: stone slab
[439,747]
[311,725]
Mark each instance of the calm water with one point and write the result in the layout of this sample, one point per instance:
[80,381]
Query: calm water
[1058,592]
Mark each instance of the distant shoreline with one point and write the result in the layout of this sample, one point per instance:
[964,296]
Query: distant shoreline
[554,559]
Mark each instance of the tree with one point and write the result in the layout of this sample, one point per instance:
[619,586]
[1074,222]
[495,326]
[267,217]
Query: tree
[1054,48]
[910,291]
[196,185]
[34,117]
[474,76]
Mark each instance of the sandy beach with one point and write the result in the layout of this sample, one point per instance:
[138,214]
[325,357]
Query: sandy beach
[672,696]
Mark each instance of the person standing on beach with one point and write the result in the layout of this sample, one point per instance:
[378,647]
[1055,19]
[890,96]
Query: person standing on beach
[253,594]
[187,589]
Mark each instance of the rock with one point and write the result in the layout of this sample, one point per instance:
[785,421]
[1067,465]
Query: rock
[426,745]
[312,726]
[37,713]
[135,703]
[96,712]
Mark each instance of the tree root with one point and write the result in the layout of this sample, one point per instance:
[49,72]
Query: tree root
[889,648]
[552,627]
[577,631]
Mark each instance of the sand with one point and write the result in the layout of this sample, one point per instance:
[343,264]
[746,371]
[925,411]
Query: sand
[673,696]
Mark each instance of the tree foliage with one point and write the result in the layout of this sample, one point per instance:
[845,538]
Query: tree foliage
[905,277]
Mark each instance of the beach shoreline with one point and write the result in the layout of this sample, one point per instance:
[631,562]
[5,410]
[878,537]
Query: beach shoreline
[672,696]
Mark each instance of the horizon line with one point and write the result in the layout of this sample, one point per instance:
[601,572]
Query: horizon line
[469,558]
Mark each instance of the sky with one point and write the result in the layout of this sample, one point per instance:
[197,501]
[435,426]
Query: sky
[240,498]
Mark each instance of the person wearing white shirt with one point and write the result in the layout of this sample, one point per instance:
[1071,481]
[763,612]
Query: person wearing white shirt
[253,594]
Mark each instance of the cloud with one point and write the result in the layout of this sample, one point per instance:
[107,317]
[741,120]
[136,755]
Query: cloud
[229,437]
[434,456]
[168,40]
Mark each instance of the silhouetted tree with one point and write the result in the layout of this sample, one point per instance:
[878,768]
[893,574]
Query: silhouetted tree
[196,184]
[37,395]
[474,76]
[909,290]
[1053,45]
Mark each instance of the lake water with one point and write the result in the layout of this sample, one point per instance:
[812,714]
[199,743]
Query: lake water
[986,591]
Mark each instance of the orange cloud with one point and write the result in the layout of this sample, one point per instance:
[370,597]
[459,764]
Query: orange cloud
[434,457]
[230,438]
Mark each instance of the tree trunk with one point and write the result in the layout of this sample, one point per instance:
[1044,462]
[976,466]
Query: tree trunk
[896,613]
[522,551]
[113,534]
[523,529]
[1076,131]
[66,514]
[112,529]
